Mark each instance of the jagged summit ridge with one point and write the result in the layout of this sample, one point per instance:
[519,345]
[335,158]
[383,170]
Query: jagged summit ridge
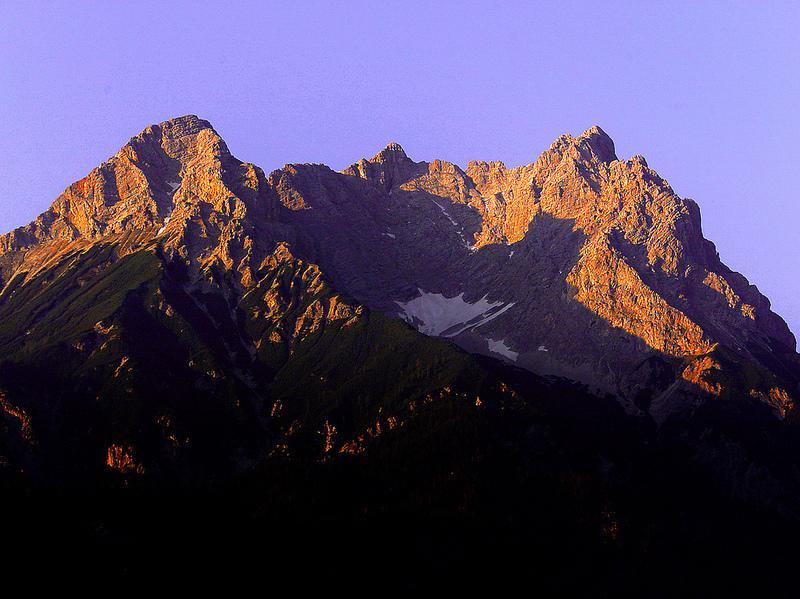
[174,129]
[601,263]
[392,151]
[149,167]
[605,265]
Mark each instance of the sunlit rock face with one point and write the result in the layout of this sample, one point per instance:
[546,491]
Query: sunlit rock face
[175,181]
[593,258]
[578,264]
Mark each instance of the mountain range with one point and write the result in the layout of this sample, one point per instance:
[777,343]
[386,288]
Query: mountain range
[552,351]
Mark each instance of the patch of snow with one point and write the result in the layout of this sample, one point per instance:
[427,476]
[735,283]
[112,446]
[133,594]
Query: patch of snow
[543,348]
[455,224]
[164,227]
[173,186]
[437,315]
[511,254]
[392,235]
[482,320]
[446,213]
[500,347]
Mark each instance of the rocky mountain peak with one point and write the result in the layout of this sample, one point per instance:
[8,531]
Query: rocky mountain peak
[175,179]
[188,123]
[389,167]
[178,127]
[600,143]
[185,139]
[592,146]
[393,152]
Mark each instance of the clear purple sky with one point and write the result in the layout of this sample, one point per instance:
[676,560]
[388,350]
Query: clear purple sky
[709,92]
